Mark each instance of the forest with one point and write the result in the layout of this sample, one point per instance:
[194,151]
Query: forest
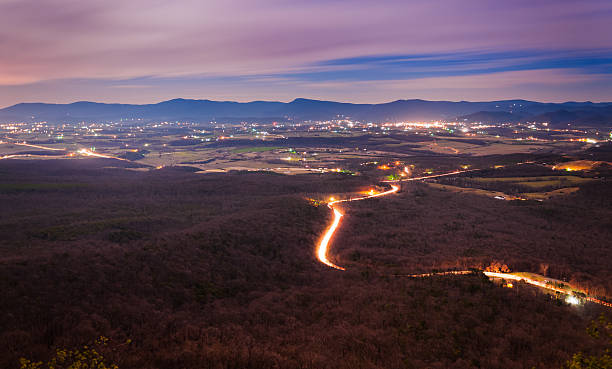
[175,269]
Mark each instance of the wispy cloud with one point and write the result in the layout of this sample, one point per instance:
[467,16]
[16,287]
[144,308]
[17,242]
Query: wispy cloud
[267,44]
[412,66]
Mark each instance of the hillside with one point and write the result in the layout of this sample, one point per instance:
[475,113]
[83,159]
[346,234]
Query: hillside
[302,109]
[183,270]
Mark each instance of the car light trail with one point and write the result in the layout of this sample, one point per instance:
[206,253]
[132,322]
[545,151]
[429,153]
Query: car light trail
[597,301]
[322,250]
[425,275]
[31,145]
[527,280]
[435,175]
[95,154]
[10,156]
[324,243]
[451,173]
[14,156]
[323,246]
[38,147]
[570,299]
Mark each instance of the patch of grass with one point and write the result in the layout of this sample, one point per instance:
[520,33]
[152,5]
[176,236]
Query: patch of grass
[255,149]
[546,195]
[475,191]
[539,184]
[559,182]
[531,179]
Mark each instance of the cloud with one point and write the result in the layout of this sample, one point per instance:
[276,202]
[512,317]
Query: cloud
[548,85]
[542,85]
[388,67]
[47,42]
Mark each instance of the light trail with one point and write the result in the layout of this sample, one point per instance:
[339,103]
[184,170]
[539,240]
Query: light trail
[436,175]
[604,303]
[513,277]
[39,147]
[31,145]
[10,156]
[393,189]
[527,280]
[424,275]
[95,154]
[84,152]
[323,246]
[324,243]
[451,173]
[543,285]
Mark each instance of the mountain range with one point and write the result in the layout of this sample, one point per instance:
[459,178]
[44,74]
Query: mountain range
[579,113]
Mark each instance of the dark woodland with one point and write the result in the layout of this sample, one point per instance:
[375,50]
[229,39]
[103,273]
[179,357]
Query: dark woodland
[218,271]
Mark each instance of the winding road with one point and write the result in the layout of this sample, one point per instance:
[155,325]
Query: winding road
[324,243]
[84,152]
[323,246]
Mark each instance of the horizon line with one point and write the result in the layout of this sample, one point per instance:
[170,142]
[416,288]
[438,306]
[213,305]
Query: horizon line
[303,98]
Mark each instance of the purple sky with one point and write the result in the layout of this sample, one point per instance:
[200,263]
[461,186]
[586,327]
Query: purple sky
[141,51]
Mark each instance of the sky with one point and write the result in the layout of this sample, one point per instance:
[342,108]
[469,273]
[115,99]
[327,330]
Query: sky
[144,51]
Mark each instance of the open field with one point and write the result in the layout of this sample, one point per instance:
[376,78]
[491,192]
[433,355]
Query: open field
[521,196]
[536,182]
[490,145]
[254,149]
[570,179]
[581,165]
[473,191]
[558,182]
[550,194]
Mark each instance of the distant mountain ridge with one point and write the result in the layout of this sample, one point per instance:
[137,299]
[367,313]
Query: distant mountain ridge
[306,109]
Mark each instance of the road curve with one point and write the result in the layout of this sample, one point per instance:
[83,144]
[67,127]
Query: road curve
[509,276]
[544,285]
[323,246]
[431,176]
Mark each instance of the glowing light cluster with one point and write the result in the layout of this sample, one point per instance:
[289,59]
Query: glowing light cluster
[572,300]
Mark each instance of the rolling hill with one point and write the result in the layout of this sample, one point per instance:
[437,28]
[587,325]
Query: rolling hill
[305,109]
